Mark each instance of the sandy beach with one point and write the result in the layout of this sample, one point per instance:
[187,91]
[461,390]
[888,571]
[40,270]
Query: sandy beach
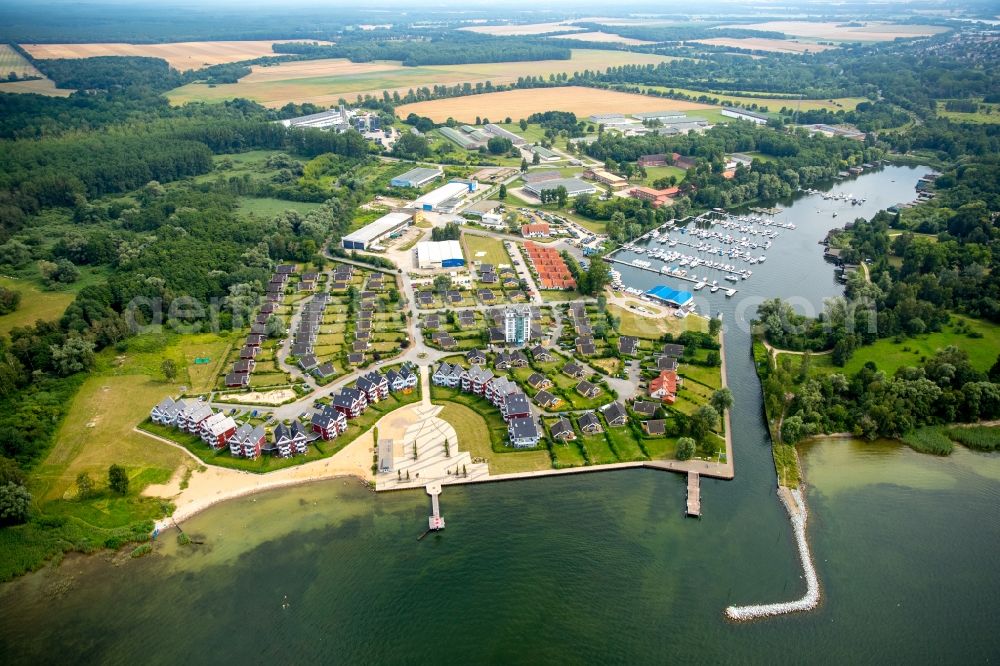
[218,484]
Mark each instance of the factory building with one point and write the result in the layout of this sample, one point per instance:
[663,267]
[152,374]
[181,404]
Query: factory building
[662,116]
[544,154]
[445,198]
[338,120]
[416,177]
[740,114]
[496,130]
[463,139]
[574,186]
[439,254]
[368,236]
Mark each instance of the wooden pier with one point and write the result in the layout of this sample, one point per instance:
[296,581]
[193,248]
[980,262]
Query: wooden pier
[694,495]
[435,521]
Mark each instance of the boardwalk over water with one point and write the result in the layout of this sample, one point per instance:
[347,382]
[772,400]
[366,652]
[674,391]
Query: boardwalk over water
[694,494]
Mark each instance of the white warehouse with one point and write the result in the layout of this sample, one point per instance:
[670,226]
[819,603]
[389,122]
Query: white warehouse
[369,235]
[439,254]
[445,198]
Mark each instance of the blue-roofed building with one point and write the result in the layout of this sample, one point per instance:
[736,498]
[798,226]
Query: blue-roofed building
[670,296]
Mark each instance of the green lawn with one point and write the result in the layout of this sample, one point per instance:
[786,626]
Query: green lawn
[655,173]
[624,444]
[36,303]
[598,450]
[889,355]
[567,455]
[660,448]
[707,375]
[474,437]
[97,433]
[559,295]
[495,253]
[653,328]
[534,133]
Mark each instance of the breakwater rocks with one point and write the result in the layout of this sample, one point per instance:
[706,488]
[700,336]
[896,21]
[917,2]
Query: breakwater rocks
[792,499]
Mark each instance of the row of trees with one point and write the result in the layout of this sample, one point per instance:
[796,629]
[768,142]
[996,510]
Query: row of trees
[447,48]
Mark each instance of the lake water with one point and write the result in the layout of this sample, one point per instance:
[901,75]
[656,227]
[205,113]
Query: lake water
[588,569]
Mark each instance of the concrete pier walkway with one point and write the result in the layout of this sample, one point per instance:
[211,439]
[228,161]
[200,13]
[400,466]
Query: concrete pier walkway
[435,521]
[694,494]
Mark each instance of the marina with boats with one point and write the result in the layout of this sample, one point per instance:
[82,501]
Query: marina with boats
[690,250]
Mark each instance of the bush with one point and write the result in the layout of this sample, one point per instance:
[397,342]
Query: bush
[15,503]
[144,549]
[9,300]
[685,448]
[118,479]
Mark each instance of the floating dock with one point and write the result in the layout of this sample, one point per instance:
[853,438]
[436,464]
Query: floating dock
[669,276]
[435,521]
[694,495]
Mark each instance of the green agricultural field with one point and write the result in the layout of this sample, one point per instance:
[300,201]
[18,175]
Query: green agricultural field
[773,103]
[988,113]
[890,355]
[474,437]
[267,207]
[35,304]
[495,253]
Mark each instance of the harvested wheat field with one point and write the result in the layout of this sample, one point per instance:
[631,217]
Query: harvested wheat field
[181,55]
[760,44]
[604,38]
[327,81]
[520,30]
[36,86]
[841,32]
[522,103]
[12,61]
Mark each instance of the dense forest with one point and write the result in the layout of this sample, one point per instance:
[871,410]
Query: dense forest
[944,388]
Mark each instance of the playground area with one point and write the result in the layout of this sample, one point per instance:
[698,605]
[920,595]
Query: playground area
[276,397]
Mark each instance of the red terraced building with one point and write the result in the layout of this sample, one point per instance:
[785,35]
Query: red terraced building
[550,267]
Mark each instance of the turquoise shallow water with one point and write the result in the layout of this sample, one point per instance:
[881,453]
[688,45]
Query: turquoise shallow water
[597,568]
